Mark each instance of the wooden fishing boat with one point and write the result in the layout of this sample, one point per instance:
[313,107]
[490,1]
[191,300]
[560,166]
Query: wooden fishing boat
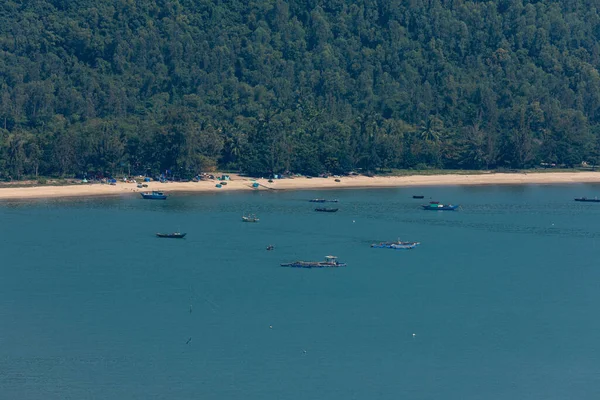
[323,201]
[330,261]
[249,218]
[175,235]
[586,200]
[398,245]
[325,209]
[418,197]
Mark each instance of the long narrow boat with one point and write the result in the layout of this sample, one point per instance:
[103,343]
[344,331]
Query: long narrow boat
[175,235]
[436,206]
[398,245]
[154,195]
[325,209]
[249,218]
[585,199]
[323,201]
[330,261]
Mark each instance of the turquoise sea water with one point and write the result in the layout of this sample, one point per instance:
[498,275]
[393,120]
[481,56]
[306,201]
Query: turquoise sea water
[502,297]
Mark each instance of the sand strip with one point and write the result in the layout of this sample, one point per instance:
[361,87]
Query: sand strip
[302,183]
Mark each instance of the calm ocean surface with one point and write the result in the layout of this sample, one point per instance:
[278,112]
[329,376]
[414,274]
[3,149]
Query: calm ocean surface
[503,297]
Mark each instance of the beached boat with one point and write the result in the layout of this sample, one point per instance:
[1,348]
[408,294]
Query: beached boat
[330,261]
[154,195]
[323,201]
[585,199]
[398,245]
[436,206]
[175,235]
[325,209]
[249,218]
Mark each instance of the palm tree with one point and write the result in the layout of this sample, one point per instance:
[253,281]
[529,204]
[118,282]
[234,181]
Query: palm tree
[431,130]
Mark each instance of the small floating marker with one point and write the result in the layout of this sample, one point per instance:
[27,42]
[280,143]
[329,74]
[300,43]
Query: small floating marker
[190,308]
[270,326]
[188,341]
[304,351]
[414,334]
[353,221]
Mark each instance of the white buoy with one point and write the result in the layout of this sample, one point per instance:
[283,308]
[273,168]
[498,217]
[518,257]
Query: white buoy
[270,326]
[353,221]
[414,334]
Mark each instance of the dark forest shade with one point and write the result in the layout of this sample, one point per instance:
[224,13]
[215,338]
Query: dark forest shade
[305,86]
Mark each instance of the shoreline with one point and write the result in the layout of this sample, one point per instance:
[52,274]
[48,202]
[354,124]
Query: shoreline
[300,183]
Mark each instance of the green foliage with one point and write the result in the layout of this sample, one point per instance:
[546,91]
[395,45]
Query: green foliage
[272,86]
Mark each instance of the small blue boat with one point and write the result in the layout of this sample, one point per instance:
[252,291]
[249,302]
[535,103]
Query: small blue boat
[330,261]
[436,206]
[154,195]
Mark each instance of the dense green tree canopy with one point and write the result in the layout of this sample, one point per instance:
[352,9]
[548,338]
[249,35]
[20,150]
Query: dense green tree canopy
[300,85]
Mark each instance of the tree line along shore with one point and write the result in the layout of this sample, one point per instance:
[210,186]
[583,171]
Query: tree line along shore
[263,87]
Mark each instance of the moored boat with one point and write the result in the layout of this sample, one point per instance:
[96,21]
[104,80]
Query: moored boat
[175,235]
[585,199]
[325,209]
[250,218]
[154,195]
[398,245]
[323,201]
[418,196]
[330,261]
[436,206]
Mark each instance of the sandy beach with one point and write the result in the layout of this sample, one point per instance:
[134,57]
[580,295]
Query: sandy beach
[299,183]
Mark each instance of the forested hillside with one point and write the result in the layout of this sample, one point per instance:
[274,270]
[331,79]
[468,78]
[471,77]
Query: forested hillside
[300,85]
